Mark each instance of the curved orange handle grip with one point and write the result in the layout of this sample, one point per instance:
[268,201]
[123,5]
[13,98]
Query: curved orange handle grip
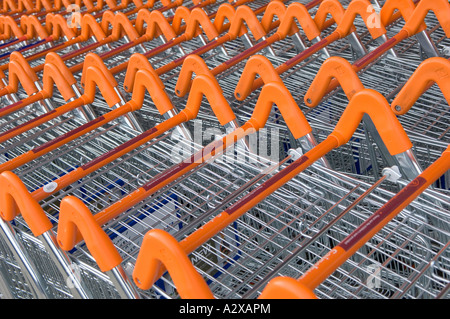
[139,62]
[148,81]
[245,14]
[276,93]
[156,24]
[256,65]
[10,28]
[333,7]
[25,5]
[15,199]
[112,4]
[298,11]
[56,60]
[75,223]
[441,9]
[52,76]
[90,27]
[160,248]
[19,58]
[286,288]
[122,26]
[91,7]
[9,6]
[203,85]
[21,72]
[433,70]
[275,8]
[375,105]
[226,11]
[57,26]
[18,75]
[370,17]
[93,59]
[339,69]
[46,4]
[93,78]
[181,14]
[198,18]
[404,7]
[107,21]
[192,64]
[31,27]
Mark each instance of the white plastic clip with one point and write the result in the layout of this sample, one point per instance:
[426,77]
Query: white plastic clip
[392,173]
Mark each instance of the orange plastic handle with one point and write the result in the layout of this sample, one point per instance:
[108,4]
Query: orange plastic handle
[275,8]
[181,14]
[16,75]
[256,65]
[333,7]
[19,58]
[404,7]
[20,72]
[245,14]
[160,248]
[56,60]
[47,5]
[52,76]
[139,62]
[333,68]
[370,17]
[276,93]
[57,26]
[226,12]
[93,59]
[441,9]
[9,6]
[286,288]
[197,18]
[192,64]
[148,81]
[95,77]
[122,26]
[157,24]
[203,85]
[91,7]
[75,223]
[90,27]
[15,199]
[31,27]
[10,28]
[374,104]
[107,21]
[433,70]
[25,5]
[297,11]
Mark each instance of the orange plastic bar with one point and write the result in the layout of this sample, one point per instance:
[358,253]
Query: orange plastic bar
[433,70]
[333,68]
[350,245]
[160,248]
[75,223]
[15,199]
